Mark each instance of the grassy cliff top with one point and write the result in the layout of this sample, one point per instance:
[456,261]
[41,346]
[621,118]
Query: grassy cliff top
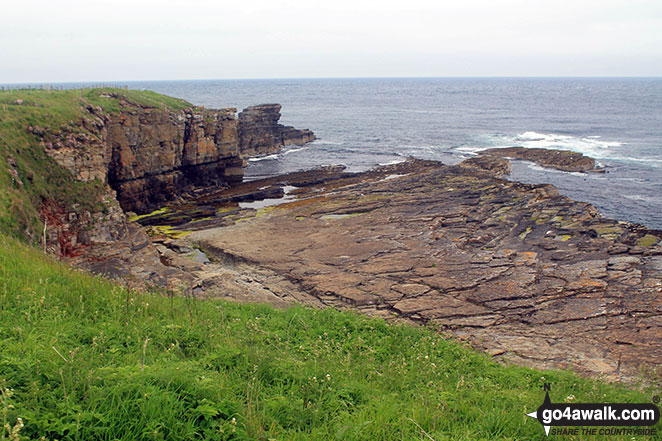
[82,359]
[27,174]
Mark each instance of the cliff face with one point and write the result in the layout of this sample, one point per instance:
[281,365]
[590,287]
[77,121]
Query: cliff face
[261,134]
[138,152]
[150,155]
[156,156]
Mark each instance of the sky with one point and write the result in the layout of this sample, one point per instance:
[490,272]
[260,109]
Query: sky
[125,40]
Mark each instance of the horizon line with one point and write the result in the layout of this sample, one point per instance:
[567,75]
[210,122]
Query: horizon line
[346,78]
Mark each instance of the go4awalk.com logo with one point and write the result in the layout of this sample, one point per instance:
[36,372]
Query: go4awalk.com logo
[624,418]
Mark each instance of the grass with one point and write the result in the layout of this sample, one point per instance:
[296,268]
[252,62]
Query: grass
[84,359]
[28,176]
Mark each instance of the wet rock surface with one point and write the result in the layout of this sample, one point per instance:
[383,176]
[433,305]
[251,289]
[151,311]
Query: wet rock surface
[515,269]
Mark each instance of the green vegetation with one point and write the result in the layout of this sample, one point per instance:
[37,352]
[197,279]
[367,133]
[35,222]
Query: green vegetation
[161,210]
[648,241]
[28,176]
[166,230]
[83,359]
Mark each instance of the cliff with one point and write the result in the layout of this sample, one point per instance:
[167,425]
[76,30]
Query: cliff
[153,155]
[261,134]
[73,162]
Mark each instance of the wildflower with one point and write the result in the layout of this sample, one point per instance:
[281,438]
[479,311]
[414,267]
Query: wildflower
[14,433]
[14,176]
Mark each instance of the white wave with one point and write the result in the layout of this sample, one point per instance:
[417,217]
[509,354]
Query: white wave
[396,161]
[327,142]
[262,158]
[650,161]
[474,149]
[418,147]
[639,197]
[535,136]
[534,166]
[287,152]
[590,145]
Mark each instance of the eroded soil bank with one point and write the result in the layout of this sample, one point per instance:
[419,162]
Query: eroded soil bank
[516,269]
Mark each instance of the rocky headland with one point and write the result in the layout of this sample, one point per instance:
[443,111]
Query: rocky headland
[151,156]
[260,134]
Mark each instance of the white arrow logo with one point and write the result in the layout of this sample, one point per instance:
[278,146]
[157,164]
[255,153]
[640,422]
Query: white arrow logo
[535,415]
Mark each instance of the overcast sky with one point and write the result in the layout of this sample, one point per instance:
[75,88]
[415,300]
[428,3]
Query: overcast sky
[103,40]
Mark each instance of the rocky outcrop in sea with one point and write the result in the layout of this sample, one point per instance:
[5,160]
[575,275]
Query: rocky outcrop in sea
[260,133]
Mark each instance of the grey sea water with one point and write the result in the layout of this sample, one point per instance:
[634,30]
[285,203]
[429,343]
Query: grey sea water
[365,122]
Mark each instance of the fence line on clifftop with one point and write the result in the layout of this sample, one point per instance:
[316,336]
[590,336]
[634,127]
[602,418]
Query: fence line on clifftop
[53,87]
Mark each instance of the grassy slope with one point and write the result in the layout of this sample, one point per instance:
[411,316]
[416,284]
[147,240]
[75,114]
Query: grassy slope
[148,367]
[42,178]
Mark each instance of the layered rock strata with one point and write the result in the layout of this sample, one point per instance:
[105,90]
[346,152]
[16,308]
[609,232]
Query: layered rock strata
[157,156]
[144,157]
[151,155]
[106,243]
[516,269]
[261,134]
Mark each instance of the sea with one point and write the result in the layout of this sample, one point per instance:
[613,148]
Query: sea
[363,123]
